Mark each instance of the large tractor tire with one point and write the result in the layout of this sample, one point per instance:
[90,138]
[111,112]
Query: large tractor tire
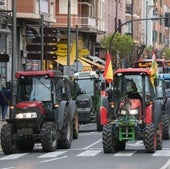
[165,126]
[48,137]
[75,125]
[7,139]
[25,145]
[99,126]
[159,137]
[150,138]
[108,141]
[66,134]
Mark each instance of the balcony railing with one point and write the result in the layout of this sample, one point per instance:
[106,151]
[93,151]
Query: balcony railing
[81,22]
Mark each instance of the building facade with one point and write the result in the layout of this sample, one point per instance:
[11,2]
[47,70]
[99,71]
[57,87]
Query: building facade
[84,23]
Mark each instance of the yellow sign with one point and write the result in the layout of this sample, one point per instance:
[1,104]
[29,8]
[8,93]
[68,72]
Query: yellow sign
[62,49]
[84,52]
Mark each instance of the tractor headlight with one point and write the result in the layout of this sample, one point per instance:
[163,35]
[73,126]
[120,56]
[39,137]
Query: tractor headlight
[123,112]
[133,112]
[28,115]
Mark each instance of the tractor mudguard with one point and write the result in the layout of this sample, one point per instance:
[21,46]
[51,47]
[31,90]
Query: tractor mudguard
[71,108]
[156,108]
[61,113]
[167,106]
[148,114]
[104,110]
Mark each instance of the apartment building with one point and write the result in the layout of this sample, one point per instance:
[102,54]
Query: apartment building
[87,20]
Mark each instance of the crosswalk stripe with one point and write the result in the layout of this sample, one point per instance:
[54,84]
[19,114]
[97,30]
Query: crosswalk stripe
[52,154]
[13,156]
[162,153]
[124,153]
[89,153]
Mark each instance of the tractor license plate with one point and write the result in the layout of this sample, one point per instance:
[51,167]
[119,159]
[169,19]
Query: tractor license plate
[25,131]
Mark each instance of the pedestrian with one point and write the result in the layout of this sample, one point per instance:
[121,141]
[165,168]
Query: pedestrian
[5,95]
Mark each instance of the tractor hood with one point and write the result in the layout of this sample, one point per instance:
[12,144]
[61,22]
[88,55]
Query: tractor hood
[31,104]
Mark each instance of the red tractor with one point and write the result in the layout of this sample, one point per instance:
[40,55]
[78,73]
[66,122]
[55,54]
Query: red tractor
[43,113]
[131,111]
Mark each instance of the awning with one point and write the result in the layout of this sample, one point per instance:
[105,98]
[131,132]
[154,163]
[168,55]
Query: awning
[63,61]
[92,63]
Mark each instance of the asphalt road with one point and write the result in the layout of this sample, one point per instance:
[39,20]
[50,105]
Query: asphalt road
[86,153]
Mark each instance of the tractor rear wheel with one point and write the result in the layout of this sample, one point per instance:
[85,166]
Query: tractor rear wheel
[48,136]
[159,137]
[108,141]
[66,134]
[99,126]
[150,138]
[75,124]
[8,142]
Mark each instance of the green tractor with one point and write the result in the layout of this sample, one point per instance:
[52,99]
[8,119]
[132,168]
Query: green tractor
[87,87]
[131,111]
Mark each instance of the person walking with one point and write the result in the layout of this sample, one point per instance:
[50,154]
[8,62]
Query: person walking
[5,95]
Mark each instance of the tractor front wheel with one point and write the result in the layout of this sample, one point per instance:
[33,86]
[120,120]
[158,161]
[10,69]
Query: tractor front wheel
[48,136]
[8,141]
[150,138]
[108,141]
[165,126]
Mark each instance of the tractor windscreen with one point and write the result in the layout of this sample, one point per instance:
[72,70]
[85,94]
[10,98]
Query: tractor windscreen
[33,89]
[125,83]
[86,86]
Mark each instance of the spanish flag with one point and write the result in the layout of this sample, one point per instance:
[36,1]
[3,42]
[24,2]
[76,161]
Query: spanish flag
[154,68]
[108,71]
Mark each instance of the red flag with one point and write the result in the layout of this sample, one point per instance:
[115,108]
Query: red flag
[108,71]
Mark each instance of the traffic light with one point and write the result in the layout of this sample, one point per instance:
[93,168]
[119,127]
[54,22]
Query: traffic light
[167,19]
[34,49]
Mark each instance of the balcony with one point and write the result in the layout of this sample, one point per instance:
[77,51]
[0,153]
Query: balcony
[85,24]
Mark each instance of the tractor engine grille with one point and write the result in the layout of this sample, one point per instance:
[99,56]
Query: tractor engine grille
[83,103]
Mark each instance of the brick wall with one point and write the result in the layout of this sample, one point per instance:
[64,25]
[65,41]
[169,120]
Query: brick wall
[26,7]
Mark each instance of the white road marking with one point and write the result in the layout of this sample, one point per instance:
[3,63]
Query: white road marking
[52,154]
[89,153]
[13,156]
[8,168]
[91,145]
[166,165]
[125,153]
[53,159]
[162,153]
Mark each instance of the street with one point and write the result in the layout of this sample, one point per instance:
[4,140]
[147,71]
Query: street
[86,153]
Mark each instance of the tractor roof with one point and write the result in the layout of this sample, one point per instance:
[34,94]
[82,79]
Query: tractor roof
[133,71]
[47,73]
[164,76]
[86,75]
